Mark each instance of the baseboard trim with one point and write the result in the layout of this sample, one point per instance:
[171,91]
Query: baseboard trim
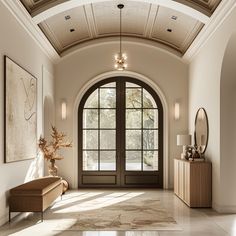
[4,219]
[224,208]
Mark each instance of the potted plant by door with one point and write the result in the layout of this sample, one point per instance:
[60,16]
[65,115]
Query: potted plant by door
[50,149]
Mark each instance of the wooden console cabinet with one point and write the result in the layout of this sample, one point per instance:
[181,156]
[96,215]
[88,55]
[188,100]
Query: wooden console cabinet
[192,182]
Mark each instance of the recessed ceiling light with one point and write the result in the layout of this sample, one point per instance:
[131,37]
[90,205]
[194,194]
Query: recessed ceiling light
[72,30]
[67,17]
[169,30]
[174,17]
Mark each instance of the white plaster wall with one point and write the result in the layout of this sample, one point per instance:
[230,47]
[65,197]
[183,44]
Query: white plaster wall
[48,108]
[165,70]
[48,102]
[228,126]
[204,91]
[18,45]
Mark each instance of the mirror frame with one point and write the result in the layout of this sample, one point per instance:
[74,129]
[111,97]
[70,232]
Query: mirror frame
[195,136]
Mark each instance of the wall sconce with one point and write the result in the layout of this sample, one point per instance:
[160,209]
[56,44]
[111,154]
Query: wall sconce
[63,110]
[177,113]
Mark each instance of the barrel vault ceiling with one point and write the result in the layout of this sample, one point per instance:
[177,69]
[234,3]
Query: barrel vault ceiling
[140,19]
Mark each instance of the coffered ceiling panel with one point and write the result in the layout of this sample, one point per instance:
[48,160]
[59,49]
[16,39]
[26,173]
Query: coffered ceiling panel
[106,16]
[206,6]
[33,5]
[67,29]
[140,19]
[174,28]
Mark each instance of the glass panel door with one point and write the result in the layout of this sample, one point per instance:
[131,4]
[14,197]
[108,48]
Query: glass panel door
[141,129]
[99,130]
[120,135]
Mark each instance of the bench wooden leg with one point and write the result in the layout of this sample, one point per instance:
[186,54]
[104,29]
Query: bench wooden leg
[42,216]
[9,215]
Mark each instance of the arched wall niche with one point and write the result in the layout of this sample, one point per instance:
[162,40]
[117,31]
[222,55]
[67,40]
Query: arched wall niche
[165,115]
[228,127]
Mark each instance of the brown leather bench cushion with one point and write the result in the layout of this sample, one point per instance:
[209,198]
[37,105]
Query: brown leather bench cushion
[36,187]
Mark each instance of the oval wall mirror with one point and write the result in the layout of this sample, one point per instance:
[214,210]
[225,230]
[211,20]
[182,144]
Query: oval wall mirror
[201,130]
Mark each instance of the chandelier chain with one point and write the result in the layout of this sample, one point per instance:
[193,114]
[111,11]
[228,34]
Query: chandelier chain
[120,31]
[120,58]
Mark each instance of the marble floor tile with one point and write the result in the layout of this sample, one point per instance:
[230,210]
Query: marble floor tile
[192,222]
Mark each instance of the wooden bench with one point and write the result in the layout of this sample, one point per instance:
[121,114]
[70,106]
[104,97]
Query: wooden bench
[35,196]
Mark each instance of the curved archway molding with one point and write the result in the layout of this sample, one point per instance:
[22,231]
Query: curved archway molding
[135,75]
[126,40]
[55,9]
[228,128]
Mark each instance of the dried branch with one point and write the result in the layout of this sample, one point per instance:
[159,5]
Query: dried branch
[50,149]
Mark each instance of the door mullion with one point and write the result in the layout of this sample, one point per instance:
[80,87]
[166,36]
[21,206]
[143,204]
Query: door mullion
[121,131]
[118,133]
[142,129]
[99,141]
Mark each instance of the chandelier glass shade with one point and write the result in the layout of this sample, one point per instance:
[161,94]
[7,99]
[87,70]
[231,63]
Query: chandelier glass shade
[120,58]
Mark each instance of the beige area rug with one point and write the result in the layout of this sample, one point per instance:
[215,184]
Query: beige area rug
[113,211]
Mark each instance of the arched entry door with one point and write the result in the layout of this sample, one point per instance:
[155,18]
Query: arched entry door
[120,135]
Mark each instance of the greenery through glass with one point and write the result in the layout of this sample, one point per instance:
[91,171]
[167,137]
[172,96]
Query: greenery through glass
[141,129]
[99,129]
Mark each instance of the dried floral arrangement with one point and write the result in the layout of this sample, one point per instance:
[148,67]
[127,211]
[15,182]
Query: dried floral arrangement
[50,149]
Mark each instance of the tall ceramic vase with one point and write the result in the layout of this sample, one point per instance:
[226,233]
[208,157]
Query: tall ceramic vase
[52,168]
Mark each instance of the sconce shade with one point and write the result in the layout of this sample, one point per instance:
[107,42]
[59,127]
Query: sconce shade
[183,139]
[177,113]
[63,110]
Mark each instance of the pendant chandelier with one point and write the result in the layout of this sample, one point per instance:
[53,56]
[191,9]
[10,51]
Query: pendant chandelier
[120,58]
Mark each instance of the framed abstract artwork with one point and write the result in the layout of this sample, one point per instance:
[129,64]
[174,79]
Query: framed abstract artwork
[20,106]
